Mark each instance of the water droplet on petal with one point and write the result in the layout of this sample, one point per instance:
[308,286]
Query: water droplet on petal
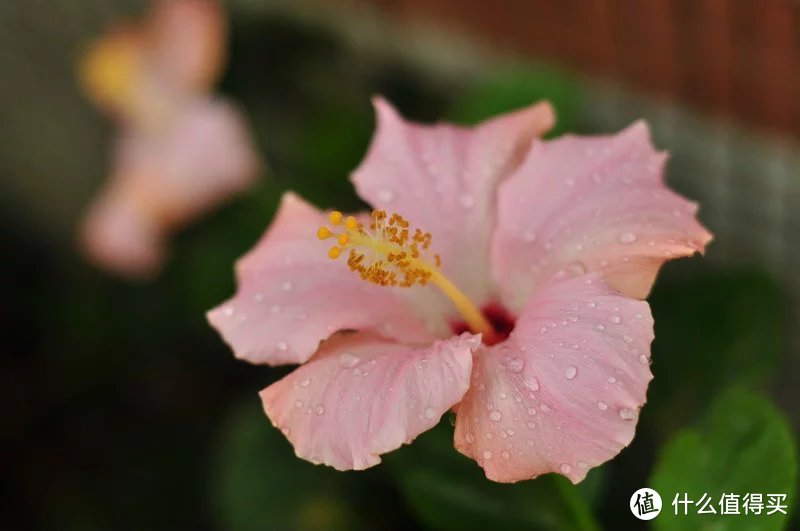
[566,469]
[348,360]
[627,339]
[515,364]
[583,465]
[626,414]
[505,454]
[627,237]
[616,319]
[601,327]
[611,380]
[281,345]
[602,406]
[531,383]
[487,454]
[570,372]
[643,360]
[429,413]
[305,383]
[227,310]
[319,410]
[495,415]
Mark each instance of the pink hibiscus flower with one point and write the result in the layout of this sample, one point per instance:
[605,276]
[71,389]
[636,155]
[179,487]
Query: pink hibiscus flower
[180,151]
[517,306]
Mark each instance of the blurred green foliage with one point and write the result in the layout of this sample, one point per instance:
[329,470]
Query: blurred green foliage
[743,446]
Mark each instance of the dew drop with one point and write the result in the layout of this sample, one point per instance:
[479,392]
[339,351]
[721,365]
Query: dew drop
[510,432]
[602,406]
[305,383]
[611,380]
[627,237]
[583,465]
[616,319]
[627,339]
[429,413]
[566,469]
[319,410]
[515,364]
[601,327]
[505,455]
[228,311]
[487,454]
[281,345]
[348,360]
[531,383]
[531,411]
[495,415]
[643,360]
[626,414]
[570,372]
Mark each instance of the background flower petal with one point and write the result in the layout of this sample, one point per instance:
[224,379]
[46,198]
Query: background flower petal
[362,396]
[443,179]
[291,296]
[591,204]
[562,394]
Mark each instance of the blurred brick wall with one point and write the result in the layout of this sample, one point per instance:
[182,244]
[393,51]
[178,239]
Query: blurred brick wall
[729,57]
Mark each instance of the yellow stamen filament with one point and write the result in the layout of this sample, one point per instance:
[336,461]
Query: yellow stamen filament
[388,253]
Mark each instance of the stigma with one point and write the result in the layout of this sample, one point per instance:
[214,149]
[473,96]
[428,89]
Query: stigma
[387,252]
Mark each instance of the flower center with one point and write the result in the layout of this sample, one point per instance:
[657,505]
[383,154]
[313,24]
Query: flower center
[389,253]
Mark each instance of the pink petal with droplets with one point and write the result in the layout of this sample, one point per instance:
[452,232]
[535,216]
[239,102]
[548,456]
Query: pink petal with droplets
[591,204]
[443,178]
[361,396]
[291,296]
[562,394]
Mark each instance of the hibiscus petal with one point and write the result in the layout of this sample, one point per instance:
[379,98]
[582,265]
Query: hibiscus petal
[591,204]
[442,178]
[562,394]
[291,295]
[187,39]
[362,396]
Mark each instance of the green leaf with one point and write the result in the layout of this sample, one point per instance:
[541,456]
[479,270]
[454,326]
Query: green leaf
[744,446]
[519,86]
[449,491]
[714,329]
[261,485]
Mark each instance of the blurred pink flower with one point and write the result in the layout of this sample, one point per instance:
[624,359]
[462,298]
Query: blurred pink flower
[536,336]
[180,151]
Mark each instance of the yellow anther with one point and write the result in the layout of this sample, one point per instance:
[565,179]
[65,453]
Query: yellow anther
[389,253]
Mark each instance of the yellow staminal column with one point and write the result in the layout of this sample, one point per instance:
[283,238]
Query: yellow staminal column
[388,253]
